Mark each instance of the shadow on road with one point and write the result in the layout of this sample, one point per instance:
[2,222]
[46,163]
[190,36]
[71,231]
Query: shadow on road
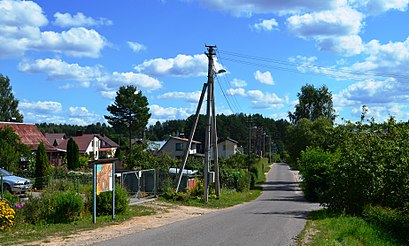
[281,186]
[293,214]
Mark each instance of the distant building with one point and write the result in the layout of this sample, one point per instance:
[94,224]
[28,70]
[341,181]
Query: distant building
[227,148]
[97,146]
[175,147]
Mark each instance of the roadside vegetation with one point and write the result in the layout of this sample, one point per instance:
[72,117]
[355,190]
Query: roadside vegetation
[358,171]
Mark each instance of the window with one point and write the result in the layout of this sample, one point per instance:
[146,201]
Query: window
[179,146]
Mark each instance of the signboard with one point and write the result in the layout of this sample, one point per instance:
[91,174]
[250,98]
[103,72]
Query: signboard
[104,177]
[103,180]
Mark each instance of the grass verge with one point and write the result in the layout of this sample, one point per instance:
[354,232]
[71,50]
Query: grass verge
[324,228]
[24,233]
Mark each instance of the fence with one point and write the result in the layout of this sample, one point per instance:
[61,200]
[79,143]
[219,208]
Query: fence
[140,183]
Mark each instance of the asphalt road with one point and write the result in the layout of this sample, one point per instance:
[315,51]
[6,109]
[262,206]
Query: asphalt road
[274,218]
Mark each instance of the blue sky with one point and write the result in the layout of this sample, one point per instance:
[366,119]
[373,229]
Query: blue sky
[66,59]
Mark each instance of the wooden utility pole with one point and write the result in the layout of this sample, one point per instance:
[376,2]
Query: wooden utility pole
[211,130]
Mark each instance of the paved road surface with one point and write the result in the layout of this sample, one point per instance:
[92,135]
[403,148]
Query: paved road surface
[275,218]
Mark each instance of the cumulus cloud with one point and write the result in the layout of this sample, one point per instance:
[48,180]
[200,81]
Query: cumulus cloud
[375,7]
[169,113]
[80,112]
[266,25]
[259,99]
[264,78]
[20,23]
[42,107]
[107,83]
[77,20]
[136,47]
[248,8]
[192,97]
[334,30]
[181,65]
[238,83]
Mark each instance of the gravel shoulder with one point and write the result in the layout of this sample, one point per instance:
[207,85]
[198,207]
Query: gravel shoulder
[166,214]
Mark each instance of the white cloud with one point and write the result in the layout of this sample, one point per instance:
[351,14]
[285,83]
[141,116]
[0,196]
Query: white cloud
[264,78]
[42,107]
[80,112]
[181,65]
[136,47]
[169,113]
[77,42]
[236,91]
[20,23]
[56,69]
[259,99]
[192,97]
[334,30]
[77,20]
[375,7]
[238,83]
[248,8]
[266,25]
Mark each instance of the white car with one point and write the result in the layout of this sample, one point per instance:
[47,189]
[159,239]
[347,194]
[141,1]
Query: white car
[14,183]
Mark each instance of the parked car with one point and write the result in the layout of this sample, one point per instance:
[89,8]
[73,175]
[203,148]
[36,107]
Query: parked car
[14,183]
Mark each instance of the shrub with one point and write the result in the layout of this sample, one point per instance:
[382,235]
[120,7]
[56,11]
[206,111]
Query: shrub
[7,215]
[53,207]
[68,207]
[238,179]
[316,168]
[104,201]
[393,221]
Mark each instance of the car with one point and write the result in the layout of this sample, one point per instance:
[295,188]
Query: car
[15,184]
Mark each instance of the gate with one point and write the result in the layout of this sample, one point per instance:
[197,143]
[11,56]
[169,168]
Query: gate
[140,183]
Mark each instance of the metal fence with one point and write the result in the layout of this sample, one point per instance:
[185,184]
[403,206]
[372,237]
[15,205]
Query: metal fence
[141,183]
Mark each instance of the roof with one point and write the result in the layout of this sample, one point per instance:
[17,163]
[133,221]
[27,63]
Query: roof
[231,140]
[84,140]
[185,139]
[55,138]
[29,134]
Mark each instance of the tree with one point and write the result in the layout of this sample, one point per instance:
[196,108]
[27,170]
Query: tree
[73,155]
[313,103]
[42,167]
[8,104]
[11,149]
[130,112]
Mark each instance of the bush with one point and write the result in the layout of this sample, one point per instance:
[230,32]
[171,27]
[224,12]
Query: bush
[53,207]
[393,221]
[316,168]
[7,215]
[68,207]
[238,179]
[104,201]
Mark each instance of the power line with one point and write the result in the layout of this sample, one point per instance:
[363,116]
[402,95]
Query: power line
[337,73]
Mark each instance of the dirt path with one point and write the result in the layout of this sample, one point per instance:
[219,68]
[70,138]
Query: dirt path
[166,214]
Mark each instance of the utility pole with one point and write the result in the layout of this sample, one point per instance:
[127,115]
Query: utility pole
[211,131]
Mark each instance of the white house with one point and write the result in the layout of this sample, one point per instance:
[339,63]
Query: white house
[227,148]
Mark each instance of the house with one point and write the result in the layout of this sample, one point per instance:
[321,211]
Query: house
[175,147]
[97,146]
[31,136]
[227,148]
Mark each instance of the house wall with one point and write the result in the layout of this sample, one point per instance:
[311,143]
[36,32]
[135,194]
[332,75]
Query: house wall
[93,148]
[170,148]
[226,149]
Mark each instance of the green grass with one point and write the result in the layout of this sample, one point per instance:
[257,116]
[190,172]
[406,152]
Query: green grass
[228,198]
[324,228]
[26,232]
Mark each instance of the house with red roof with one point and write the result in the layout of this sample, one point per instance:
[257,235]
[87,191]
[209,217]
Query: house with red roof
[96,146]
[31,136]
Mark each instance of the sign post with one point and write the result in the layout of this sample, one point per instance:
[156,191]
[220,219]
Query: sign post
[103,180]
